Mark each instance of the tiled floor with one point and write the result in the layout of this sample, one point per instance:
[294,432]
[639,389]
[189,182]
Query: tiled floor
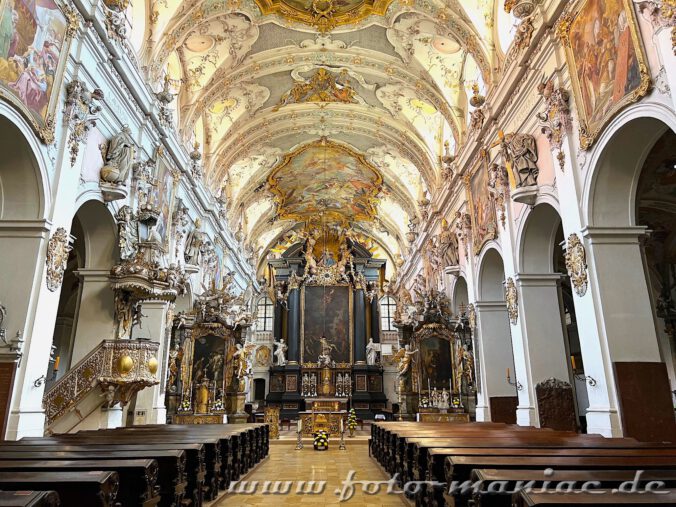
[333,466]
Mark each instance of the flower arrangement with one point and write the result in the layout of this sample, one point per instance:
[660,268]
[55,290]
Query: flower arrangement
[218,405]
[321,442]
[186,406]
[352,421]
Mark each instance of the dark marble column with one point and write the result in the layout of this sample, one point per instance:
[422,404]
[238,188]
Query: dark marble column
[375,319]
[359,327]
[279,312]
[293,325]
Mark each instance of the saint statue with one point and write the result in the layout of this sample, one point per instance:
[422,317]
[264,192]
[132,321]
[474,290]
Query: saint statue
[325,355]
[371,353]
[522,152]
[280,353]
[448,245]
[119,158]
[194,246]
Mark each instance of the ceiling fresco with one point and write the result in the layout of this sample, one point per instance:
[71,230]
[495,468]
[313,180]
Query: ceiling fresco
[279,92]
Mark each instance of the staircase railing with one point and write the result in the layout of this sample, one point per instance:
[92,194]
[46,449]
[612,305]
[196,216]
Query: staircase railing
[120,368]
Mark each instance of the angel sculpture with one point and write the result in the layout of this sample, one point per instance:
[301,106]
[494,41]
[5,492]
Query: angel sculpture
[404,358]
[241,359]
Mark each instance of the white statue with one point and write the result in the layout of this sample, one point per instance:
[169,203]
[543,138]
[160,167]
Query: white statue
[194,246]
[119,158]
[371,352]
[280,353]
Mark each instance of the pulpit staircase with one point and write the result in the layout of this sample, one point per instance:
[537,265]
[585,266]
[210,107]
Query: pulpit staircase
[113,372]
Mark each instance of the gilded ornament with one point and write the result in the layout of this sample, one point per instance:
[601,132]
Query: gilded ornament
[576,264]
[153,364]
[512,300]
[125,364]
[58,249]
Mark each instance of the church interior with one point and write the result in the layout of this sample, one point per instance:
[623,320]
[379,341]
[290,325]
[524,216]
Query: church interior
[259,252]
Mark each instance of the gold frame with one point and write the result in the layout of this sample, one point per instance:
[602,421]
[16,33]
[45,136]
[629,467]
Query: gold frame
[477,242]
[337,216]
[590,131]
[350,302]
[322,14]
[45,127]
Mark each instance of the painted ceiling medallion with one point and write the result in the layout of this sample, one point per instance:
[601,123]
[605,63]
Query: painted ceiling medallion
[324,15]
[325,179]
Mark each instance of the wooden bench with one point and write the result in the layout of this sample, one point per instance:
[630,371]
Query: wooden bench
[78,489]
[578,499]
[29,499]
[510,480]
[137,477]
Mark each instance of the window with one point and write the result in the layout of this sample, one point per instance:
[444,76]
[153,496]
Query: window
[388,307]
[266,314]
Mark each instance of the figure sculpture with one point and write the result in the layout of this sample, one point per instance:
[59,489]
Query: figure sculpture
[522,152]
[194,246]
[280,352]
[405,357]
[371,353]
[119,158]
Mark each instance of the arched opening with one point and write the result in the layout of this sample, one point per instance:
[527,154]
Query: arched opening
[460,296]
[85,315]
[547,299]
[629,239]
[23,235]
[656,209]
[496,398]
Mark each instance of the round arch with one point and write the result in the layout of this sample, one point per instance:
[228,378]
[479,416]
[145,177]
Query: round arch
[537,239]
[460,295]
[491,276]
[616,163]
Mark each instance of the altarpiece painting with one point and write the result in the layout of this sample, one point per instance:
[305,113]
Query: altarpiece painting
[327,312]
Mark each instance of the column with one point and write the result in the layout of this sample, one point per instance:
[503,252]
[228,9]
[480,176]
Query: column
[153,324]
[96,315]
[615,318]
[24,294]
[277,325]
[359,327]
[544,344]
[493,354]
[375,319]
[293,325]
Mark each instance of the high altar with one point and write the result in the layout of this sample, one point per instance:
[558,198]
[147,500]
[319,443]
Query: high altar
[326,312]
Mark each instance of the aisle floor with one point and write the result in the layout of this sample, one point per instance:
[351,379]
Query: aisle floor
[333,466]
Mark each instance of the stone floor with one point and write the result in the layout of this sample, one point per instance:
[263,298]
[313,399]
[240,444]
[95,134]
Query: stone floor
[333,466]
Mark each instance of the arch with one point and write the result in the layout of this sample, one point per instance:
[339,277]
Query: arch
[22,186]
[99,235]
[616,162]
[537,239]
[491,276]
[460,295]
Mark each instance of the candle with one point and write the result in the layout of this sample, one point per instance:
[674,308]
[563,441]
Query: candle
[508,373]
[341,424]
[450,385]
[56,362]
[572,360]
[300,425]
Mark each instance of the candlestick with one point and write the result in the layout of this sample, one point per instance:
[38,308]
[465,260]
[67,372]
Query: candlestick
[572,360]
[56,362]
[300,425]
[508,373]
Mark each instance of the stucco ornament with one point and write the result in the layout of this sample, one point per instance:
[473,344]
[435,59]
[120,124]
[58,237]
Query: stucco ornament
[576,264]
[57,258]
[512,299]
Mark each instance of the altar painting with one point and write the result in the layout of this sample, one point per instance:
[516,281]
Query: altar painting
[609,71]
[208,360]
[435,363]
[327,311]
[34,40]
[482,207]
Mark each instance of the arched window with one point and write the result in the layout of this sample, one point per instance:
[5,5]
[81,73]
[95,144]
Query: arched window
[388,307]
[266,314]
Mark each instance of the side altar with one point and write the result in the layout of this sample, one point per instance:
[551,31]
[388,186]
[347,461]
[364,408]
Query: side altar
[327,333]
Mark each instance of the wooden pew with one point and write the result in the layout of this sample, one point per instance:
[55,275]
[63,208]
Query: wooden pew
[137,477]
[171,480]
[510,479]
[195,455]
[29,499]
[91,489]
[581,499]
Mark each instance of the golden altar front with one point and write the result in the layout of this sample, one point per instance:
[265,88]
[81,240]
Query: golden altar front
[325,415]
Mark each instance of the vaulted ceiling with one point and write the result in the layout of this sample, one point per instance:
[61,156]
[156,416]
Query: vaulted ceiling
[332,108]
